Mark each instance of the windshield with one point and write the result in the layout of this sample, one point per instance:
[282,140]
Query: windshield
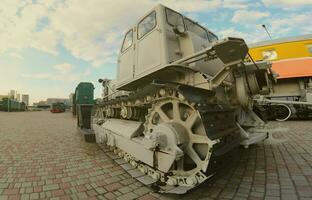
[212,37]
[196,29]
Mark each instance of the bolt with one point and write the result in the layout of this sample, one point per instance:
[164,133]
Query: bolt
[143,169]
[127,158]
[156,176]
[172,181]
[191,181]
[133,163]
[162,92]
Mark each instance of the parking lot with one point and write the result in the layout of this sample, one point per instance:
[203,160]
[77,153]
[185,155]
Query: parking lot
[42,156]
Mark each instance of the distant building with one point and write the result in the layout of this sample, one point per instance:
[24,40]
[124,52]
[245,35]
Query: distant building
[55,100]
[41,104]
[18,97]
[71,96]
[12,94]
[25,99]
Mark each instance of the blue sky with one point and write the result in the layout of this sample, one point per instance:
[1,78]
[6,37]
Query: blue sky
[48,46]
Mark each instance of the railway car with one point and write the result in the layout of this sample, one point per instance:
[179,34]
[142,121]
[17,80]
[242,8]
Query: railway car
[281,49]
[292,62]
[57,107]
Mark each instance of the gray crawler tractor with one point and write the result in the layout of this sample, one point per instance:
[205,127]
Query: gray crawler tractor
[182,98]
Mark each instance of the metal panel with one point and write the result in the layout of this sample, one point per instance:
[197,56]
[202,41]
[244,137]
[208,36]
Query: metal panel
[125,128]
[84,93]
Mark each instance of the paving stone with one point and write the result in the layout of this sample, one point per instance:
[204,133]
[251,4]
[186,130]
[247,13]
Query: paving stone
[100,190]
[110,195]
[29,190]
[117,193]
[4,185]
[25,197]
[27,184]
[142,191]
[3,197]
[82,195]
[10,191]
[128,196]
[50,187]
[51,161]
[112,180]
[112,187]
[148,197]
[34,196]
[125,189]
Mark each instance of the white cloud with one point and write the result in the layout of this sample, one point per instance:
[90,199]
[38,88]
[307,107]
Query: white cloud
[59,77]
[192,6]
[64,68]
[62,72]
[236,4]
[89,30]
[93,30]
[301,23]
[16,55]
[87,72]
[244,16]
[287,3]
[250,37]
[295,24]
[187,6]
[45,76]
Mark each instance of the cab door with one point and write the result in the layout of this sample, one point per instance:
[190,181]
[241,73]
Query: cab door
[148,45]
[126,59]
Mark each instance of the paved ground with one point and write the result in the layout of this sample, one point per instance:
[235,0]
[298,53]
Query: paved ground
[43,156]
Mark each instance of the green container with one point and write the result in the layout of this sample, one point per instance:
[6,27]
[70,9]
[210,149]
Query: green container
[6,104]
[85,93]
[10,105]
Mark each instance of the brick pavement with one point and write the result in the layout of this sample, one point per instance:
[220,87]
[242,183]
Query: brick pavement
[43,157]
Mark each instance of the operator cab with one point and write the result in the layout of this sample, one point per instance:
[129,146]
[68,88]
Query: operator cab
[161,37]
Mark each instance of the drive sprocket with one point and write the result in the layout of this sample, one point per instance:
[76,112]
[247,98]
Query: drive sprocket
[196,147]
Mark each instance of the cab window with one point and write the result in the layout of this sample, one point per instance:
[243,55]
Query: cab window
[147,24]
[196,29]
[174,19]
[127,41]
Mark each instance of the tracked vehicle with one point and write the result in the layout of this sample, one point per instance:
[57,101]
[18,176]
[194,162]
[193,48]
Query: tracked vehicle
[182,99]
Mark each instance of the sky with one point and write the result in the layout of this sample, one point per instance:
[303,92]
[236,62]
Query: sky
[48,46]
